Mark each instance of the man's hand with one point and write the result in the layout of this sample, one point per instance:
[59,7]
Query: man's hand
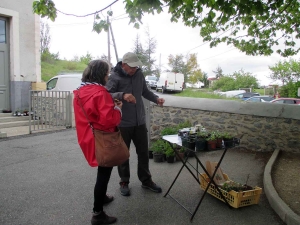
[129,98]
[160,101]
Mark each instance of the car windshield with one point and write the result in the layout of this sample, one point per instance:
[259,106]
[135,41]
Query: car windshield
[152,78]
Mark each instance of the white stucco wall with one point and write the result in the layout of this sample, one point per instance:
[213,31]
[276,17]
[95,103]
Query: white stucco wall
[24,40]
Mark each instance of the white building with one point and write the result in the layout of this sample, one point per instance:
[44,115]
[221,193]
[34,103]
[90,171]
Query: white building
[19,53]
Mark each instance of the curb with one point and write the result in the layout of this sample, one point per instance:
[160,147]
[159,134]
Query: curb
[280,207]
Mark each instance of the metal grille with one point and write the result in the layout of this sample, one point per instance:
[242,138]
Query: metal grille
[50,110]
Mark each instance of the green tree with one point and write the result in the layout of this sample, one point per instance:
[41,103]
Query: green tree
[218,72]
[177,63]
[86,58]
[150,48]
[139,50]
[196,76]
[45,37]
[238,79]
[204,79]
[188,66]
[254,27]
[286,71]
[290,90]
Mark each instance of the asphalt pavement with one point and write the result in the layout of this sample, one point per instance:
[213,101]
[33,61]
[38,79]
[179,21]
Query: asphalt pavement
[46,180]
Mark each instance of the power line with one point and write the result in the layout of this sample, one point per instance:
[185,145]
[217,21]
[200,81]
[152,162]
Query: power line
[217,54]
[68,14]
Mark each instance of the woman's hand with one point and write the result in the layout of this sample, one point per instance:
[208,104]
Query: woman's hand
[118,103]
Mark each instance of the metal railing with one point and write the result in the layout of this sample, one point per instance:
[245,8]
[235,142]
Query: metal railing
[50,110]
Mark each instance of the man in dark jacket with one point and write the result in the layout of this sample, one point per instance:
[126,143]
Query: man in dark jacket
[127,83]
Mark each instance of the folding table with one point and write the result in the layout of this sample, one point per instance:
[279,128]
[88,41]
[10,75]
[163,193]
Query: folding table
[175,139]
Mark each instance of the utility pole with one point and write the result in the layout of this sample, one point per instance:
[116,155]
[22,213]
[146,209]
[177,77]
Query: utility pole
[108,42]
[115,46]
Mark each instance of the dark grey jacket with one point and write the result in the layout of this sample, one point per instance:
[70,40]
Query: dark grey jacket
[120,83]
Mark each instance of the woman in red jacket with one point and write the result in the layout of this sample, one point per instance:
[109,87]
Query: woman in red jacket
[104,114]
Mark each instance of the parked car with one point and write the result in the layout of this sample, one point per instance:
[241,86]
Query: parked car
[152,81]
[244,96]
[261,98]
[295,101]
[68,82]
[230,94]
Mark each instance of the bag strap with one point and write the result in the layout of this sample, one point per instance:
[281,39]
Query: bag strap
[79,101]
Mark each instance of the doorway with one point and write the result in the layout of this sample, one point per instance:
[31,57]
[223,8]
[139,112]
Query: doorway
[4,65]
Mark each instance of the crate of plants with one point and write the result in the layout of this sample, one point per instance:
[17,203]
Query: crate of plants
[236,194]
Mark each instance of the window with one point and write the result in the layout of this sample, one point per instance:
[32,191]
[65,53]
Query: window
[51,84]
[289,101]
[2,31]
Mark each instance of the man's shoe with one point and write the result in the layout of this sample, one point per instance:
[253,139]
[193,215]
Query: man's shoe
[152,186]
[108,199]
[124,189]
[100,218]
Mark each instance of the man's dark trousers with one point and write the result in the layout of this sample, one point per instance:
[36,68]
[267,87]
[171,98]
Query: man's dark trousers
[139,136]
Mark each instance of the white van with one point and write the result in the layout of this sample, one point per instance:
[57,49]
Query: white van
[68,82]
[170,81]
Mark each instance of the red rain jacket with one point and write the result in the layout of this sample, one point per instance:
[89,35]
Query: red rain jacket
[99,107]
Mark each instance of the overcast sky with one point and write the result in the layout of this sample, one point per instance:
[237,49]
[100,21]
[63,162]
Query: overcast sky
[73,36]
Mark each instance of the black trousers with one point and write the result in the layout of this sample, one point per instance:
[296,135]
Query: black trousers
[138,135]
[103,176]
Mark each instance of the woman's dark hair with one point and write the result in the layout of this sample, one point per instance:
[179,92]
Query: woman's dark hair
[96,72]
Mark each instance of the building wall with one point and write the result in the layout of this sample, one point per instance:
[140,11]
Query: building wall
[261,126]
[24,49]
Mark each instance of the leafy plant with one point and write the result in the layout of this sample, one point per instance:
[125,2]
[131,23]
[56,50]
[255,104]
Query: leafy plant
[211,137]
[184,125]
[169,152]
[227,135]
[235,186]
[158,146]
[217,134]
[169,131]
[202,135]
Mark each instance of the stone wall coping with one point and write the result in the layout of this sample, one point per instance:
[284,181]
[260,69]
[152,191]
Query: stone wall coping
[237,107]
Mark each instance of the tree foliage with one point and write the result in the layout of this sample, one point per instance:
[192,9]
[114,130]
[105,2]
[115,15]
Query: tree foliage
[286,71]
[177,63]
[290,90]
[238,79]
[188,66]
[145,52]
[253,26]
[45,37]
[218,72]
[150,49]
[86,58]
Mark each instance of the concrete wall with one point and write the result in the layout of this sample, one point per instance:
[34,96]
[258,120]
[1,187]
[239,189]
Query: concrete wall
[24,48]
[261,126]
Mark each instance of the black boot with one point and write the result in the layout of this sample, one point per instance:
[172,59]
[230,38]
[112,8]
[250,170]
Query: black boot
[100,218]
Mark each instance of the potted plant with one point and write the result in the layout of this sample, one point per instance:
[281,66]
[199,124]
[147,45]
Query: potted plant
[219,138]
[18,113]
[170,154]
[201,143]
[25,112]
[158,150]
[211,142]
[228,140]
[181,152]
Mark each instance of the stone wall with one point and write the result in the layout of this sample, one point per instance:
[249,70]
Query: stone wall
[258,130]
